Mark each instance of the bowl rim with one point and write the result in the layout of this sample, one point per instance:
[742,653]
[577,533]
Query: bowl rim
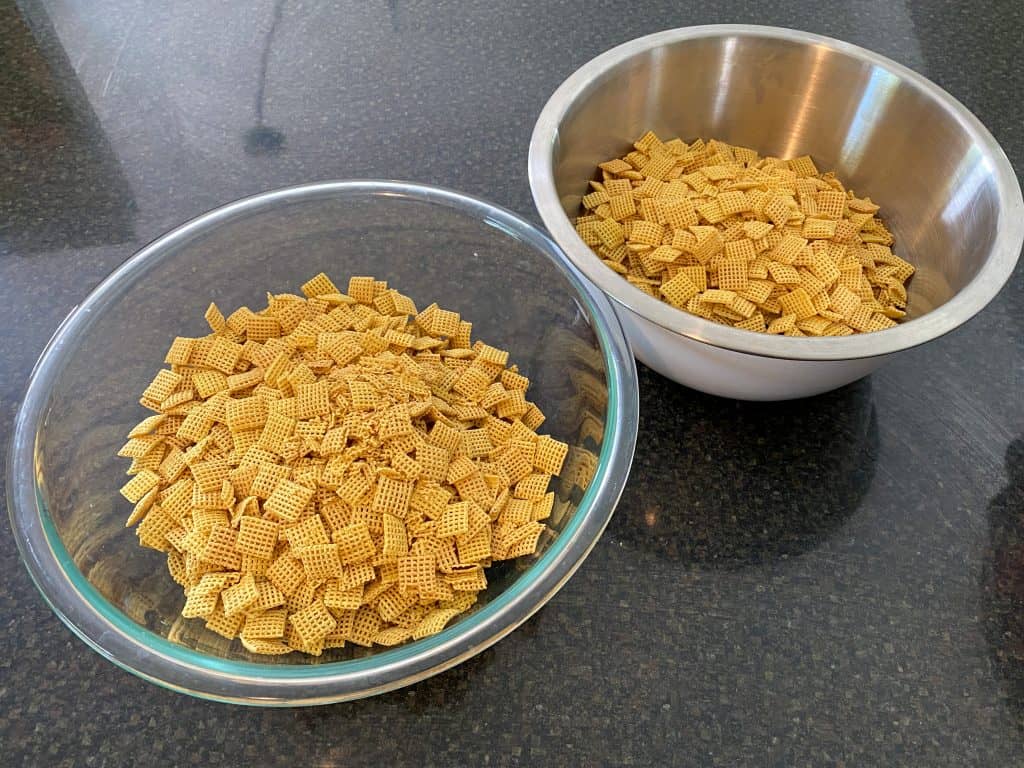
[970,300]
[136,649]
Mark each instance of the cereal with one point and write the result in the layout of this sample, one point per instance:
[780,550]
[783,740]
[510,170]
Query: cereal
[342,468]
[685,223]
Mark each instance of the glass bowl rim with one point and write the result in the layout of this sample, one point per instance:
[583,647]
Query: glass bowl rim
[142,652]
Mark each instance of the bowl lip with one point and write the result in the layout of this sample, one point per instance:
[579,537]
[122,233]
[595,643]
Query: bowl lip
[970,300]
[134,648]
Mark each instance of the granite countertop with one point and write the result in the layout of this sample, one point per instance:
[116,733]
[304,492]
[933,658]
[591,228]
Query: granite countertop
[850,592]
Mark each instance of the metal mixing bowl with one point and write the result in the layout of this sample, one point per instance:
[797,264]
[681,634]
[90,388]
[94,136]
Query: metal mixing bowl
[502,273]
[946,189]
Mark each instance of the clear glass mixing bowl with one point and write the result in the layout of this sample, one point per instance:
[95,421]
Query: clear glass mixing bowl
[499,271]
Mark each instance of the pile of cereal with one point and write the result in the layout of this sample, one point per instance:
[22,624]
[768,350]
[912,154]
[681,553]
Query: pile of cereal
[762,244]
[336,468]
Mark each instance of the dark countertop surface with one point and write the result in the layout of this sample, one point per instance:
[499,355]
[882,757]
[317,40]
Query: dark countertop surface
[849,592]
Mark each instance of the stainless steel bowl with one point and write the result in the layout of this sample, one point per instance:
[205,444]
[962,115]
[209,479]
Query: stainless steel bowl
[945,186]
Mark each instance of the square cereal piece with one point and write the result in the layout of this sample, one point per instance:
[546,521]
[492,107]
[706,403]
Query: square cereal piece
[757,291]
[245,413]
[615,166]
[756,230]
[392,496]
[395,422]
[803,166]
[443,322]
[532,487]
[321,562]
[277,429]
[753,323]
[223,355]
[680,214]
[844,301]
[365,627]
[698,275]
[861,319]
[879,322]
[777,210]
[824,268]
[784,274]
[220,548]
[362,395]
[717,296]
[622,206]
[818,229]
[474,548]
[241,596]
[257,537]
[797,302]
[434,622]
[308,532]
[454,521]
[286,574]
[209,474]
[477,443]
[140,485]
[433,459]
[259,328]
[214,318]
[396,541]
[831,204]
[313,624]
[225,626]
[810,283]
[319,286]
[353,489]
[355,545]
[393,603]
[733,202]
[783,324]
[417,572]
[266,479]
[788,249]
[180,351]
[270,596]
[711,211]
[679,290]
[162,386]
[732,274]
[408,468]
[362,289]
[646,232]
[288,500]
[609,233]
[265,625]
[312,399]
[549,455]
[740,249]
[338,598]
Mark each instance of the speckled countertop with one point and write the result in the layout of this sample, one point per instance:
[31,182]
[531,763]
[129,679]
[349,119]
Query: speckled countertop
[862,606]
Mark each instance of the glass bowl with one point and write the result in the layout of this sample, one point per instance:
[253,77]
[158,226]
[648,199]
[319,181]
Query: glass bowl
[499,271]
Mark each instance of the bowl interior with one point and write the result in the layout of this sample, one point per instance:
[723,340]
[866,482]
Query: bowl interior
[881,133]
[433,251]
